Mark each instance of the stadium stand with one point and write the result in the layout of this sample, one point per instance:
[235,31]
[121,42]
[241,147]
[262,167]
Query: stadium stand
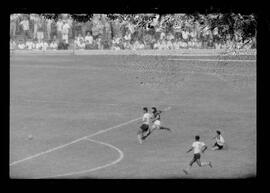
[125,32]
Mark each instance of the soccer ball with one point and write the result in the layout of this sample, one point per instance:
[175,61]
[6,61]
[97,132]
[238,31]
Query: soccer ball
[30,137]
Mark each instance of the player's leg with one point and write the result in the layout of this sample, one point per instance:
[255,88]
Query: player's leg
[146,132]
[158,123]
[165,128]
[186,171]
[215,147]
[139,136]
[202,164]
[154,127]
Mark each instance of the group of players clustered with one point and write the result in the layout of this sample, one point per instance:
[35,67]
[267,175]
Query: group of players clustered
[198,146]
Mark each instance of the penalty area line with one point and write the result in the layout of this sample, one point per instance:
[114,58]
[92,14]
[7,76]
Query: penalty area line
[76,140]
[72,142]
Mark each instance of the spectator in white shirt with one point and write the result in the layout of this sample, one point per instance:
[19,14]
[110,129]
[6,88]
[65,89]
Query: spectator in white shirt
[170,36]
[40,29]
[25,25]
[21,45]
[78,38]
[54,44]
[157,45]
[38,45]
[217,46]
[29,45]
[49,28]
[79,42]
[13,25]
[44,45]
[184,44]
[59,26]
[176,45]
[169,45]
[185,35]
[35,19]
[116,43]
[65,30]
[88,38]
[141,45]
[163,45]
[162,35]
[12,44]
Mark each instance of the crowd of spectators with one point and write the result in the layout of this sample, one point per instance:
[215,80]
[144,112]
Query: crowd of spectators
[101,31]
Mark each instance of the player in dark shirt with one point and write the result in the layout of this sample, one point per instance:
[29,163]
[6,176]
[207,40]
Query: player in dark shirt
[156,121]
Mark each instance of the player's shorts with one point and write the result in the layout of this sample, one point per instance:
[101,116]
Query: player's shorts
[219,146]
[196,156]
[144,127]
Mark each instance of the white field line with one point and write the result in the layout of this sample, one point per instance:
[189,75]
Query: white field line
[121,156]
[210,60]
[77,140]
[72,142]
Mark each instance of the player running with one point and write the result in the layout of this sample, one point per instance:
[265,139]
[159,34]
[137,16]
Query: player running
[144,128]
[219,144]
[198,147]
[156,122]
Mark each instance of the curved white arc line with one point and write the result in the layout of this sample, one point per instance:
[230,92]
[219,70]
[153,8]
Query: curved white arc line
[121,156]
[72,142]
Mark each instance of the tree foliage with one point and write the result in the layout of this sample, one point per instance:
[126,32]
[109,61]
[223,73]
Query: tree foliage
[226,23]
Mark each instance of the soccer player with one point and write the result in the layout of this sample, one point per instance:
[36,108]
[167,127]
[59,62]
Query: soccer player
[198,147]
[219,141]
[144,128]
[156,120]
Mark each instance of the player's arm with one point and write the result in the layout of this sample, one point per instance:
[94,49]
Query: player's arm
[204,148]
[153,118]
[189,150]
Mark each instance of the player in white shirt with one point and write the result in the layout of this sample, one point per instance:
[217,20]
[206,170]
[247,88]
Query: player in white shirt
[144,128]
[198,147]
[219,141]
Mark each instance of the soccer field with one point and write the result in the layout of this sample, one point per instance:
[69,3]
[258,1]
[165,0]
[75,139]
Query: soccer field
[84,112]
